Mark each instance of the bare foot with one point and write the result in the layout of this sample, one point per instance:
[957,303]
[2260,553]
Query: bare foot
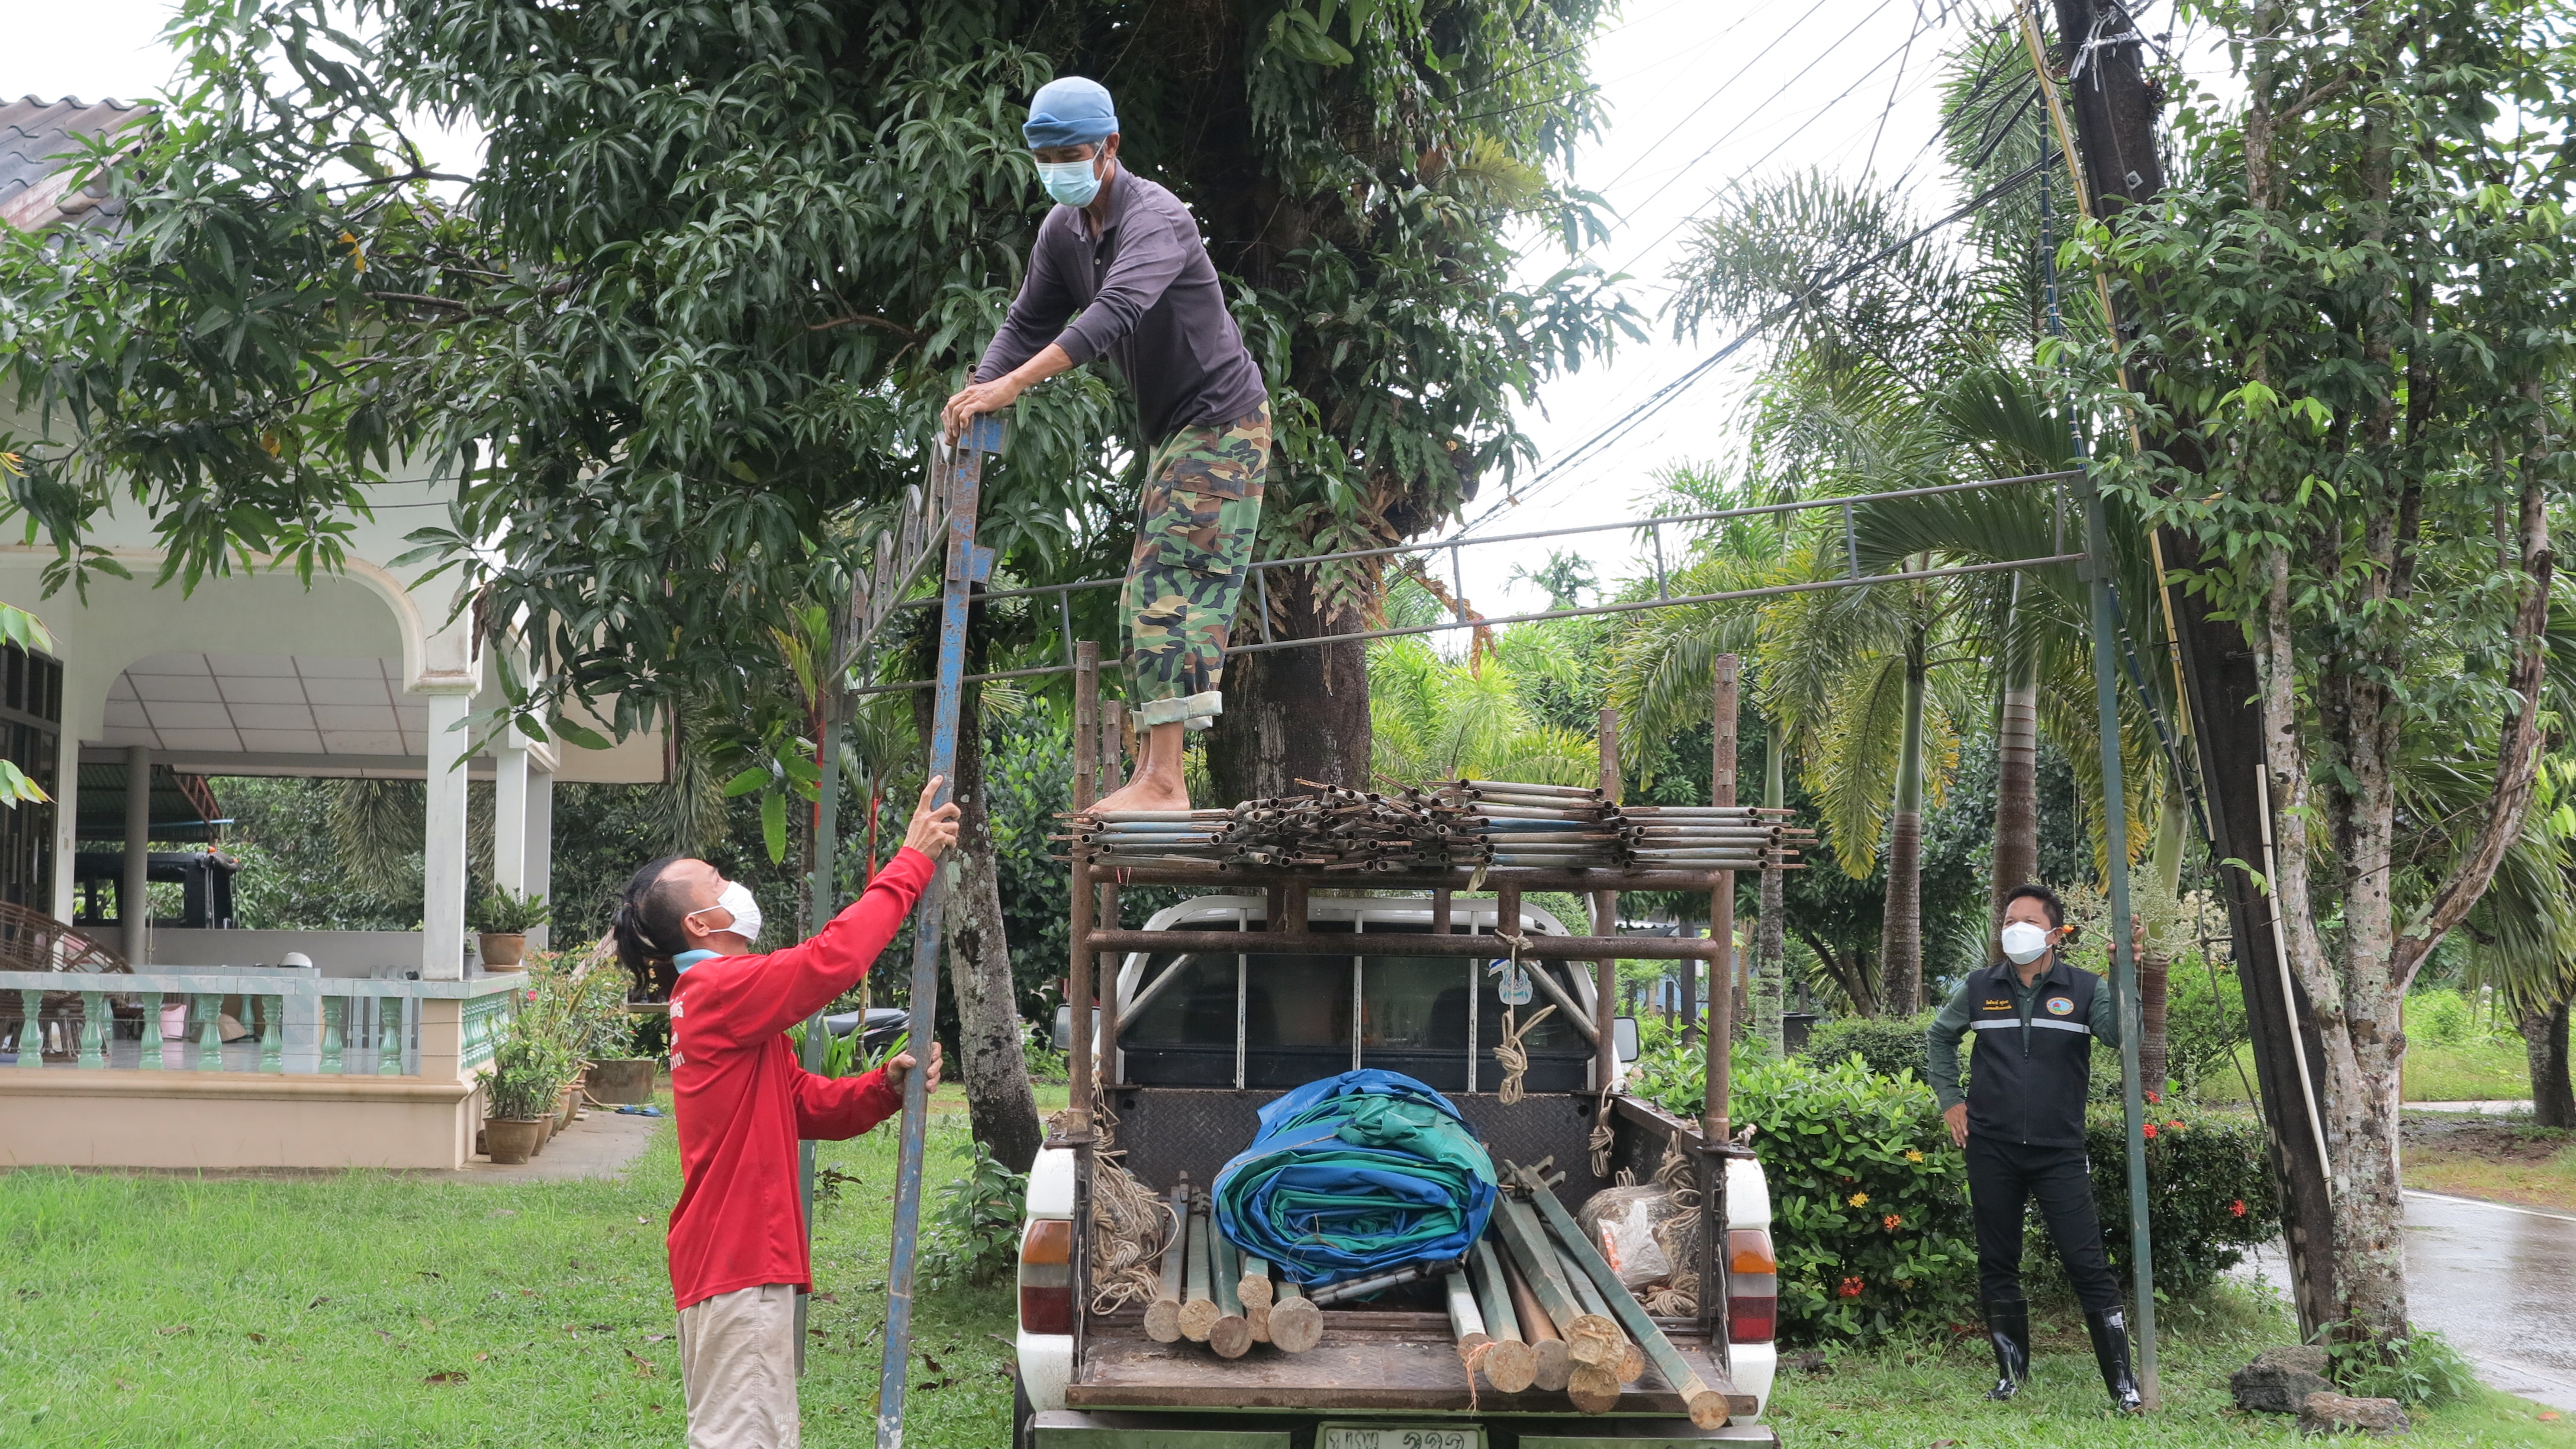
[1150,790]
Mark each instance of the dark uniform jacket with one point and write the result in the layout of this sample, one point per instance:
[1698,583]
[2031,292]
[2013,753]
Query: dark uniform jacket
[2033,1060]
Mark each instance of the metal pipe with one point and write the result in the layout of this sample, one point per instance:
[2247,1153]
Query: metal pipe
[1721,904]
[1080,987]
[1542,948]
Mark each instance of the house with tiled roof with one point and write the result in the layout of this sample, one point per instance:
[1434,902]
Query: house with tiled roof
[36,182]
[188,1042]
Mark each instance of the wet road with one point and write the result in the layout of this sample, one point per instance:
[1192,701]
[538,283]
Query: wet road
[2499,1282]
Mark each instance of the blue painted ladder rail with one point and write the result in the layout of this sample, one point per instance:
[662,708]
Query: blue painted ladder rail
[969,564]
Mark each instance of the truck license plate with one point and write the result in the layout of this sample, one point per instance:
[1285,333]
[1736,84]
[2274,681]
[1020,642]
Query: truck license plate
[1401,1436]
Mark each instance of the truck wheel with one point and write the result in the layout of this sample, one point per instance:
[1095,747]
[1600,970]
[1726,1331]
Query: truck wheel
[1023,1416]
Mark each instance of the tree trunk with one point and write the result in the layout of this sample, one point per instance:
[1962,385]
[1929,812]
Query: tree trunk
[1001,1108]
[1900,947]
[2016,799]
[2544,1044]
[2155,961]
[1771,962]
[1293,714]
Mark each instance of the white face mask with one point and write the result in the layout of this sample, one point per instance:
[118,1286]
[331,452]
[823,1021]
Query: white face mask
[737,901]
[1072,182]
[2024,942]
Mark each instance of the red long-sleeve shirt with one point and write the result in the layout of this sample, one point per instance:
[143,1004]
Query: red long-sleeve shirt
[742,1100]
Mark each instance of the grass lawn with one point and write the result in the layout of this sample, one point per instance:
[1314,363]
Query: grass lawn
[371,1310]
[2481,1069]
[1933,1396]
[2478,1070]
[368,1309]
[2492,1158]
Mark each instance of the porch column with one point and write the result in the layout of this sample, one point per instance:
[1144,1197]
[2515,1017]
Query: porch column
[510,815]
[442,897]
[133,905]
[538,862]
[66,894]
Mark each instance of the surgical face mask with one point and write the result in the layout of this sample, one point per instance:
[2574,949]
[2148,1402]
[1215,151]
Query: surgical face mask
[737,901]
[1071,182]
[2024,942]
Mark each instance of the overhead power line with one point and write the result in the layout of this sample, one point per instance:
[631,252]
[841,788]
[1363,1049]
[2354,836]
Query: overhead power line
[1663,396]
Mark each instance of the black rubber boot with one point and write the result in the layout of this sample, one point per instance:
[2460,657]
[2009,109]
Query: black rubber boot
[2008,1328]
[2110,1330]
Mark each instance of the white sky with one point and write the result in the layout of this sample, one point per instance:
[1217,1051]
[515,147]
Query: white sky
[1703,95]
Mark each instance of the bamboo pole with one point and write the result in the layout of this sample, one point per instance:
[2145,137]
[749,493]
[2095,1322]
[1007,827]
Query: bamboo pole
[1163,1315]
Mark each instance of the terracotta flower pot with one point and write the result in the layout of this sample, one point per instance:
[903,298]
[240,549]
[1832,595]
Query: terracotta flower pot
[565,1106]
[502,952]
[512,1140]
[545,1130]
[620,1080]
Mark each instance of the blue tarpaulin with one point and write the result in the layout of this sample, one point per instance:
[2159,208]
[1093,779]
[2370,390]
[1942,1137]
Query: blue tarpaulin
[1362,1173]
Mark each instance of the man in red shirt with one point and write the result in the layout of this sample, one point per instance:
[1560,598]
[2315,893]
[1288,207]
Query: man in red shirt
[737,1238]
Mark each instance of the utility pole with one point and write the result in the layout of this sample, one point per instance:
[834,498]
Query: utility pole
[2101,54]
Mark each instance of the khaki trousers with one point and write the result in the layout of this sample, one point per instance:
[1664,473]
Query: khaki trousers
[738,1366]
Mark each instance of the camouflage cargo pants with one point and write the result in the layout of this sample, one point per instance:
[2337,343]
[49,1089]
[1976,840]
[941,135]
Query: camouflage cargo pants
[1194,533]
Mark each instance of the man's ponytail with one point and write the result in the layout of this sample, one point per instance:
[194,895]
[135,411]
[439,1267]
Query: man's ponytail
[647,928]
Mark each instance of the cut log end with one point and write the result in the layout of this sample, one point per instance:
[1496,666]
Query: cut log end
[1296,1325]
[1255,1292]
[1593,1390]
[1708,1409]
[1468,1343]
[1163,1321]
[1231,1337]
[1632,1363]
[1198,1319]
[1258,1315]
[1509,1365]
[1595,1342]
[1552,1366]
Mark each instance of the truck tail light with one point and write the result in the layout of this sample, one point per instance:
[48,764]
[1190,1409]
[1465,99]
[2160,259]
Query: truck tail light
[1046,1276]
[1752,1286]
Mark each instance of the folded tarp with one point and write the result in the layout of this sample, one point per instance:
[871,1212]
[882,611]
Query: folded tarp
[1358,1174]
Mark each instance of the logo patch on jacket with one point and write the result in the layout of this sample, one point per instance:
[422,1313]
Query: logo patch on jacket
[2060,1005]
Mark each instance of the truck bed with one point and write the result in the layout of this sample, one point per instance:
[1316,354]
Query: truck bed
[1367,1362]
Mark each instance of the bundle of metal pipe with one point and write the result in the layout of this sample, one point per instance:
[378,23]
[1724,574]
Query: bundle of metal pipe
[1453,824]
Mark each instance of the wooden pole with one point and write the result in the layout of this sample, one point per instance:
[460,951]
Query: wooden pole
[1551,1362]
[1605,922]
[1231,1336]
[1080,991]
[1509,1364]
[1721,909]
[1708,1406]
[1199,1312]
[1295,1324]
[1591,1340]
[1163,1315]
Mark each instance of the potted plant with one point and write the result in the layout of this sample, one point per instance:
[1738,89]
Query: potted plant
[517,1096]
[616,1071]
[502,920]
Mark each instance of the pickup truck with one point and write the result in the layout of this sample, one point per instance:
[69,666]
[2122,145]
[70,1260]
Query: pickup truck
[1204,1040]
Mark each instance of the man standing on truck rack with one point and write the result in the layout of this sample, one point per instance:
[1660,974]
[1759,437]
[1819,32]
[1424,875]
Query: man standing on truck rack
[1125,255]
[2022,1123]
[737,1236]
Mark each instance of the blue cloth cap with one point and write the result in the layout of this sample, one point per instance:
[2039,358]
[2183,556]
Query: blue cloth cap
[1070,111]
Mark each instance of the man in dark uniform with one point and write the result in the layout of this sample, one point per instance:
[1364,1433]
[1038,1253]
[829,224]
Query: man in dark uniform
[2022,1123]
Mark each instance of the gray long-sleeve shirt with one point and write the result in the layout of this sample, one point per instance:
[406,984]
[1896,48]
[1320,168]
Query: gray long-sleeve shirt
[1941,1041]
[1149,301]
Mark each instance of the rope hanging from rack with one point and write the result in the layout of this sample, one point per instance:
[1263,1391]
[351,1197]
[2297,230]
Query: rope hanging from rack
[1509,1054]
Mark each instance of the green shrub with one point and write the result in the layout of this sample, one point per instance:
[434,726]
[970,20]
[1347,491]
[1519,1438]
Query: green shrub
[2423,1370]
[2209,1194]
[975,1229]
[1889,1044]
[1869,1203]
